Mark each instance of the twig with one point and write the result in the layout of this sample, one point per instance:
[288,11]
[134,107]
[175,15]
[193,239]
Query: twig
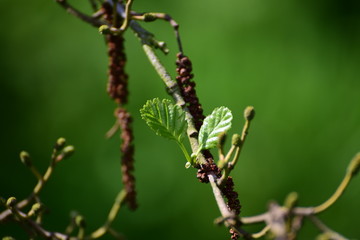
[320,225]
[261,233]
[73,11]
[228,216]
[255,219]
[22,217]
[127,15]
[112,215]
[148,17]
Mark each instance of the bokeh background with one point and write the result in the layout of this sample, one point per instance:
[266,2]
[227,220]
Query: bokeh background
[296,61]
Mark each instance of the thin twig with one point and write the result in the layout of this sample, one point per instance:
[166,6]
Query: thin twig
[339,191]
[73,11]
[147,17]
[120,198]
[320,225]
[261,233]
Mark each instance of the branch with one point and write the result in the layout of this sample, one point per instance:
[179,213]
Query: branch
[121,197]
[73,11]
[326,230]
[173,89]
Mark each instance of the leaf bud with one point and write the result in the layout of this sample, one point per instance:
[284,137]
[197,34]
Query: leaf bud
[25,158]
[222,139]
[8,238]
[324,236]
[11,202]
[60,143]
[104,29]
[68,150]
[236,140]
[291,200]
[149,17]
[35,209]
[80,221]
[249,113]
[354,165]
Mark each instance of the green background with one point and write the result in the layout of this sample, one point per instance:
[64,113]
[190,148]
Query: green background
[295,61]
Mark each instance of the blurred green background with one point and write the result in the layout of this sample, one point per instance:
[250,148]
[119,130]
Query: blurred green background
[296,61]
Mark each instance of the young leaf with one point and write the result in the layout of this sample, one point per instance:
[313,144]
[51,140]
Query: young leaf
[218,122]
[165,118]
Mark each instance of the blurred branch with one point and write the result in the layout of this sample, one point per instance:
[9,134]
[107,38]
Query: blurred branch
[59,153]
[111,217]
[73,11]
[23,218]
[326,230]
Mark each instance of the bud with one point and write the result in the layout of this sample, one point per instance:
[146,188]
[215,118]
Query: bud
[80,221]
[104,29]
[354,165]
[236,140]
[60,143]
[324,236]
[249,113]
[222,139]
[291,200]
[149,17]
[35,209]
[66,153]
[25,158]
[8,238]
[11,202]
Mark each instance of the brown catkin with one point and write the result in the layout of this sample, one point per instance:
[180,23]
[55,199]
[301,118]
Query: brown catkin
[117,89]
[202,173]
[127,160]
[187,89]
[118,80]
[229,192]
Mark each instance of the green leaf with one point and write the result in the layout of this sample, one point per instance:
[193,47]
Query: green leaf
[218,122]
[165,118]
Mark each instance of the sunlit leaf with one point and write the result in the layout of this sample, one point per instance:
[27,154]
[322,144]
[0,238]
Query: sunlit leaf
[165,118]
[218,122]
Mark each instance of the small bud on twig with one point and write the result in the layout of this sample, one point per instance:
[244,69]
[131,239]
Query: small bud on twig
[149,17]
[222,139]
[8,238]
[104,29]
[291,200]
[60,143]
[35,209]
[11,202]
[66,153]
[354,165]
[25,158]
[80,221]
[236,140]
[249,113]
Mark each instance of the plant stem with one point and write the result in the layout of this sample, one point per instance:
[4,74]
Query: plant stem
[332,234]
[339,191]
[183,149]
[127,15]
[120,198]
